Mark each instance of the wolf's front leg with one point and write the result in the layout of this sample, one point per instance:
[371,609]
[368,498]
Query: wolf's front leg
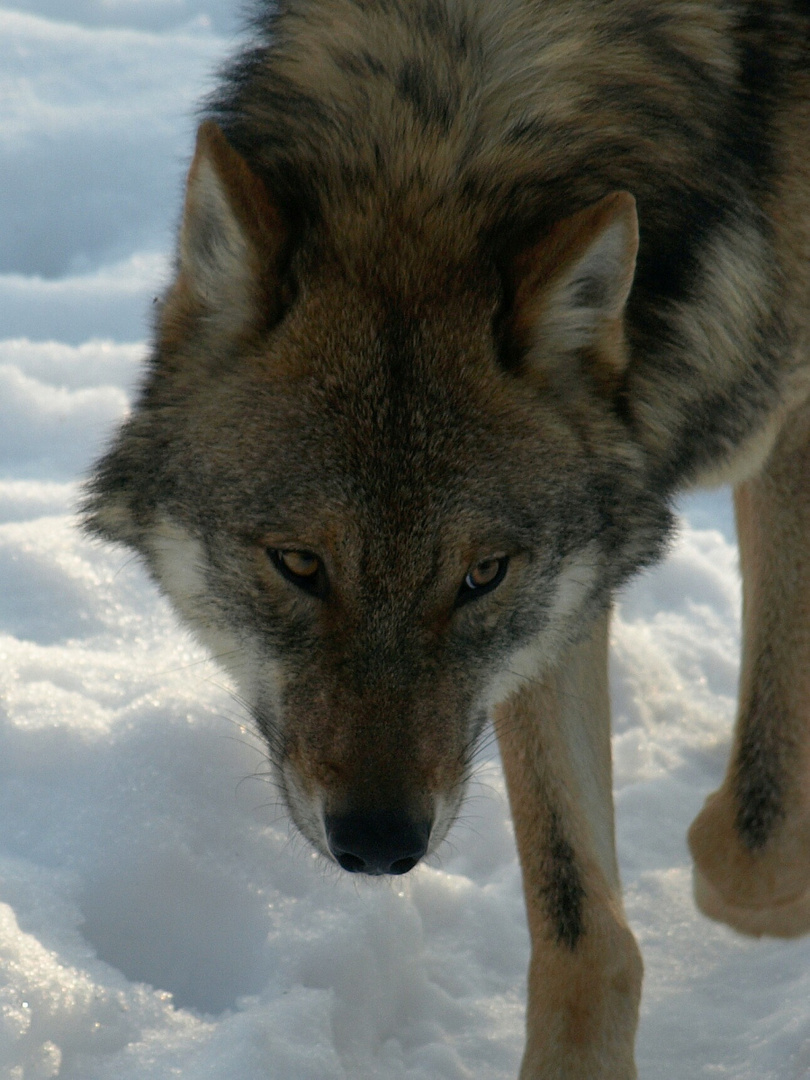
[585,973]
[751,841]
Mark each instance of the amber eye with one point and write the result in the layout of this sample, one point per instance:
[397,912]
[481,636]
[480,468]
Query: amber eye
[302,568]
[483,578]
[483,574]
[300,563]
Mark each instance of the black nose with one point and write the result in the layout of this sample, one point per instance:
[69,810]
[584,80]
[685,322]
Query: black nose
[377,842]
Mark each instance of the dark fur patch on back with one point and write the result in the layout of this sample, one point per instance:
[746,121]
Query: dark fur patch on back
[431,104]
[721,416]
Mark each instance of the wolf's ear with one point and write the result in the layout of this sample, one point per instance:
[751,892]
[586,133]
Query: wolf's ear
[571,288]
[232,239]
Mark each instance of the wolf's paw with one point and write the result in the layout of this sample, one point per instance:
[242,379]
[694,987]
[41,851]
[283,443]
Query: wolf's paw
[756,892]
[785,920]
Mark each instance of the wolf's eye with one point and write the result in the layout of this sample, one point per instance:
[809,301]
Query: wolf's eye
[483,578]
[302,568]
[300,563]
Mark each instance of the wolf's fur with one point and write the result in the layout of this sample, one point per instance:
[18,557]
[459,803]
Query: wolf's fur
[461,282]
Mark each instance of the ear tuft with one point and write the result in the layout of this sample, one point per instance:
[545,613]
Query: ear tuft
[232,237]
[573,286]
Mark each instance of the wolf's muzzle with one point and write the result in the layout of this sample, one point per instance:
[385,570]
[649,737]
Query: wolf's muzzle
[377,842]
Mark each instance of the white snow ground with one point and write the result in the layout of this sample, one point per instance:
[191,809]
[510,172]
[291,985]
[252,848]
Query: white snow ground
[157,917]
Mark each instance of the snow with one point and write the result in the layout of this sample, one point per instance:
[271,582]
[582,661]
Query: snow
[158,916]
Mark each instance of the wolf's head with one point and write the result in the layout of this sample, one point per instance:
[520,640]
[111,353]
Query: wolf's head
[380,467]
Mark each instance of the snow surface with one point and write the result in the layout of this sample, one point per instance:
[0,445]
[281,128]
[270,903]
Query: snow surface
[158,917]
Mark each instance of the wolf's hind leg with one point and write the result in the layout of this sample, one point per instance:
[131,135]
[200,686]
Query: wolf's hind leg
[751,841]
[585,972]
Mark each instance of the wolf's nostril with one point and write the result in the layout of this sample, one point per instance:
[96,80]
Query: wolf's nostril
[402,866]
[353,863]
[377,842]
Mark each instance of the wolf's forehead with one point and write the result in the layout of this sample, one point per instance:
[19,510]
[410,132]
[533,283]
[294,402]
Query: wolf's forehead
[397,450]
[388,449]
[398,386]
[382,401]
[404,436]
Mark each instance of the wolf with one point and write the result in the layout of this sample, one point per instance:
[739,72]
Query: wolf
[465,294]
